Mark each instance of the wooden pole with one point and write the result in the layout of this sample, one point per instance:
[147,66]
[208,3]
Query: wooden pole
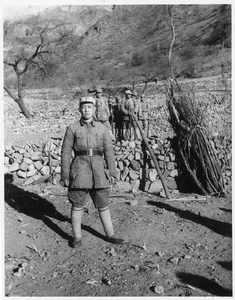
[152,155]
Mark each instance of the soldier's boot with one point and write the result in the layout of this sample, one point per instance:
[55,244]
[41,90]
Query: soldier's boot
[105,218]
[76,220]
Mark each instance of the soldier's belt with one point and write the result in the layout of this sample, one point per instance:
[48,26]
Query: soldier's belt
[89,152]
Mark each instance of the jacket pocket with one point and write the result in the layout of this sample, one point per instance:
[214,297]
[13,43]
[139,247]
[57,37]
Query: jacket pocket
[99,140]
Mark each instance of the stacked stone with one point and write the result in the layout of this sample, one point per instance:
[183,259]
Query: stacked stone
[135,165]
[222,147]
[34,163]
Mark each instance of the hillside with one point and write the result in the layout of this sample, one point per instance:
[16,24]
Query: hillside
[121,43]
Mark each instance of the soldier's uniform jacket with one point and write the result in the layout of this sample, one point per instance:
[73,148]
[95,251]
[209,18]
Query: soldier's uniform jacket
[127,106]
[86,171]
[102,109]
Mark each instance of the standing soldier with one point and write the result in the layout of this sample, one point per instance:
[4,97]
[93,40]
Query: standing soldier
[127,107]
[111,117]
[136,111]
[144,113]
[92,145]
[118,118]
[102,110]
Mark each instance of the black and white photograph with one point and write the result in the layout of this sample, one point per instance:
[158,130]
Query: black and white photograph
[117,122]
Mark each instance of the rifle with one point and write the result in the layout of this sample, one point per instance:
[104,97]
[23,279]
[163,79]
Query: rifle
[152,155]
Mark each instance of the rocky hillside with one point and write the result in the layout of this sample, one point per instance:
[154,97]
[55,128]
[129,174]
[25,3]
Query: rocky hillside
[116,43]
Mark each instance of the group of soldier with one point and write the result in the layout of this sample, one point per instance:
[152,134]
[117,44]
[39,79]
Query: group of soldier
[116,114]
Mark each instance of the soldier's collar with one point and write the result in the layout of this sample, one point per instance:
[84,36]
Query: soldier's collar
[84,123]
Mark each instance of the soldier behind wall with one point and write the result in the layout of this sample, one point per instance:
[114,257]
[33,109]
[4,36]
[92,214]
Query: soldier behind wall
[127,107]
[102,110]
[118,118]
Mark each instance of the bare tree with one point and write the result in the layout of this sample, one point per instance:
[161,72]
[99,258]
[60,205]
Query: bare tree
[33,44]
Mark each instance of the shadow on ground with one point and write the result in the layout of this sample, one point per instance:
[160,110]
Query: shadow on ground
[204,284]
[34,206]
[219,227]
[37,207]
[225,264]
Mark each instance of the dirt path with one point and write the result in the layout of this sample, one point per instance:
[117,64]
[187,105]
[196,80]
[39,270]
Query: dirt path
[173,248]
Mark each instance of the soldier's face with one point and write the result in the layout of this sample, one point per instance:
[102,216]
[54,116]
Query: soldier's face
[98,94]
[87,110]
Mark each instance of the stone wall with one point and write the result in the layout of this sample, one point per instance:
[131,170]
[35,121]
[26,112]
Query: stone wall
[35,163]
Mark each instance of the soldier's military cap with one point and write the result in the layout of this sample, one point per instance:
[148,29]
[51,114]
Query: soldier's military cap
[99,90]
[128,92]
[88,99]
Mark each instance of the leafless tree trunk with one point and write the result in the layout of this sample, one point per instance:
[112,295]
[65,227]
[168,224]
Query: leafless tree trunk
[19,100]
[171,13]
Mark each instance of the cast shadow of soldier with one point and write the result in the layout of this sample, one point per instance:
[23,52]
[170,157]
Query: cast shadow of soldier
[39,208]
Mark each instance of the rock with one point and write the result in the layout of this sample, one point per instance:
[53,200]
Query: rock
[31,167]
[24,166]
[152,174]
[41,179]
[147,185]
[120,165]
[22,174]
[57,170]
[6,160]
[31,173]
[27,160]
[174,260]
[35,156]
[171,156]
[45,170]
[170,165]
[174,173]
[36,177]
[123,186]
[158,289]
[29,181]
[38,165]
[124,173]
[130,157]
[155,187]
[171,183]
[162,194]
[133,175]
[132,144]
[135,165]
[14,167]
[54,163]
[126,162]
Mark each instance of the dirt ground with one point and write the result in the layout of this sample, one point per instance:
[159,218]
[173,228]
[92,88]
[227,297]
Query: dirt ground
[173,247]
